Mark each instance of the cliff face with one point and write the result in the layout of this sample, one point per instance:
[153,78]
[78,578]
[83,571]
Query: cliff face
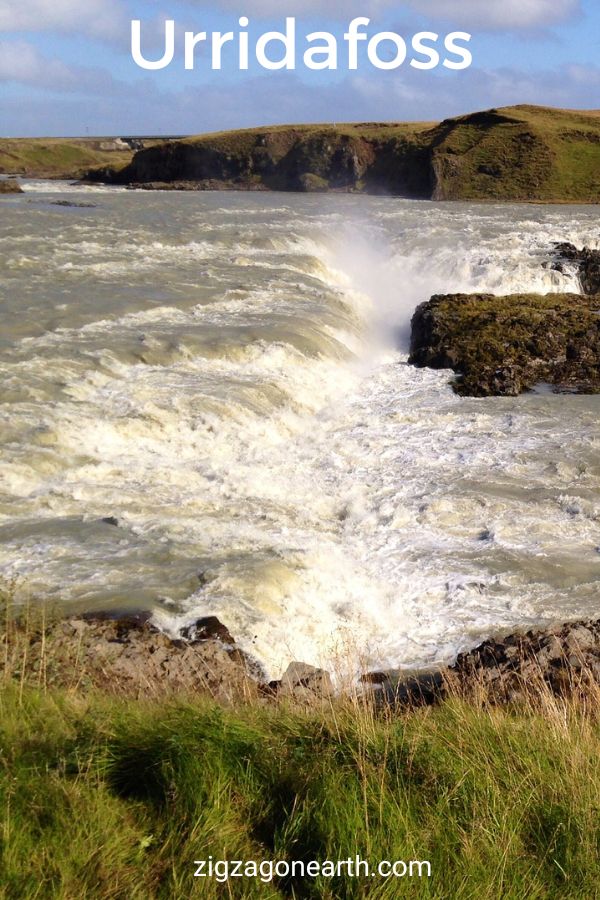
[521,153]
[373,159]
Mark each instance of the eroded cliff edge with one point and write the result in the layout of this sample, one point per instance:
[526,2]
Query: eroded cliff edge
[521,153]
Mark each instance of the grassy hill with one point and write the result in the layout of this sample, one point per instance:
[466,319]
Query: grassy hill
[56,157]
[519,153]
[523,153]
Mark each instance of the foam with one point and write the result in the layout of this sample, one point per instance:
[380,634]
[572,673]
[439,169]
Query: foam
[267,452]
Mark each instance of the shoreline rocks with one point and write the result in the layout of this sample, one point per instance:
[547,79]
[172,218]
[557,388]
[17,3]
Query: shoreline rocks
[124,654]
[524,666]
[562,659]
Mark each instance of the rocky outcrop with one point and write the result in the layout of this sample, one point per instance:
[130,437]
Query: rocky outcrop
[523,667]
[562,660]
[126,654]
[72,204]
[586,262]
[205,184]
[10,186]
[507,345]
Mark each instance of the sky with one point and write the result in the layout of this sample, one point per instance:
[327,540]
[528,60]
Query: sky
[66,66]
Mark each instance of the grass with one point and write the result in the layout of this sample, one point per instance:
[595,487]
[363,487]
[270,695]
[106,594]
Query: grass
[56,157]
[523,153]
[107,797]
[117,799]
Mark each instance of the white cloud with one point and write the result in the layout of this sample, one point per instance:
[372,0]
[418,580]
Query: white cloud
[98,18]
[488,14]
[500,14]
[22,63]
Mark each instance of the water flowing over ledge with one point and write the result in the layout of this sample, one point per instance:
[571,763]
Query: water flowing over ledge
[207,411]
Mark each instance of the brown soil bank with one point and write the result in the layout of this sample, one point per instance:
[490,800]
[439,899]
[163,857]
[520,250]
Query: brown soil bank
[521,153]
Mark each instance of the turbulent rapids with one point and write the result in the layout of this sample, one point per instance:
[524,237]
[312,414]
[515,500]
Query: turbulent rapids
[206,409]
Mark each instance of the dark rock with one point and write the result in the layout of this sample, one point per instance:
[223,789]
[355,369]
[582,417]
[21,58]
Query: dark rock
[120,623]
[492,171]
[586,262]
[208,628]
[73,204]
[111,520]
[134,618]
[564,659]
[375,678]
[421,690]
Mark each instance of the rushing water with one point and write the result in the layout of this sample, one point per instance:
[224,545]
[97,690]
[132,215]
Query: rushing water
[206,408]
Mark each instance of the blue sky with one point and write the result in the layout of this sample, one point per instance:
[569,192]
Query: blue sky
[66,66]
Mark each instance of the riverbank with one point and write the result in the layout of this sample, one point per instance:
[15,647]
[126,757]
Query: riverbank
[110,796]
[514,154]
[127,656]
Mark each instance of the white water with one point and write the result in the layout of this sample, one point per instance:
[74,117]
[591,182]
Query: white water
[226,375]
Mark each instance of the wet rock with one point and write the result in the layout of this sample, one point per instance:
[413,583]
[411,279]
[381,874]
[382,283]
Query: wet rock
[111,520]
[10,186]
[586,262]
[119,619]
[206,629]
[73,204]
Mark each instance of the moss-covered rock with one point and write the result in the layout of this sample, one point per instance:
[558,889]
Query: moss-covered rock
[507,345]
[313,184]
[10,186]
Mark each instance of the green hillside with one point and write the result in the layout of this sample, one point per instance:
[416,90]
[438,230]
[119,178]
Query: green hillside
[56,157]
[518,153]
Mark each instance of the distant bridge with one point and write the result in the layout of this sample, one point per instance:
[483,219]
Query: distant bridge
[129,139]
